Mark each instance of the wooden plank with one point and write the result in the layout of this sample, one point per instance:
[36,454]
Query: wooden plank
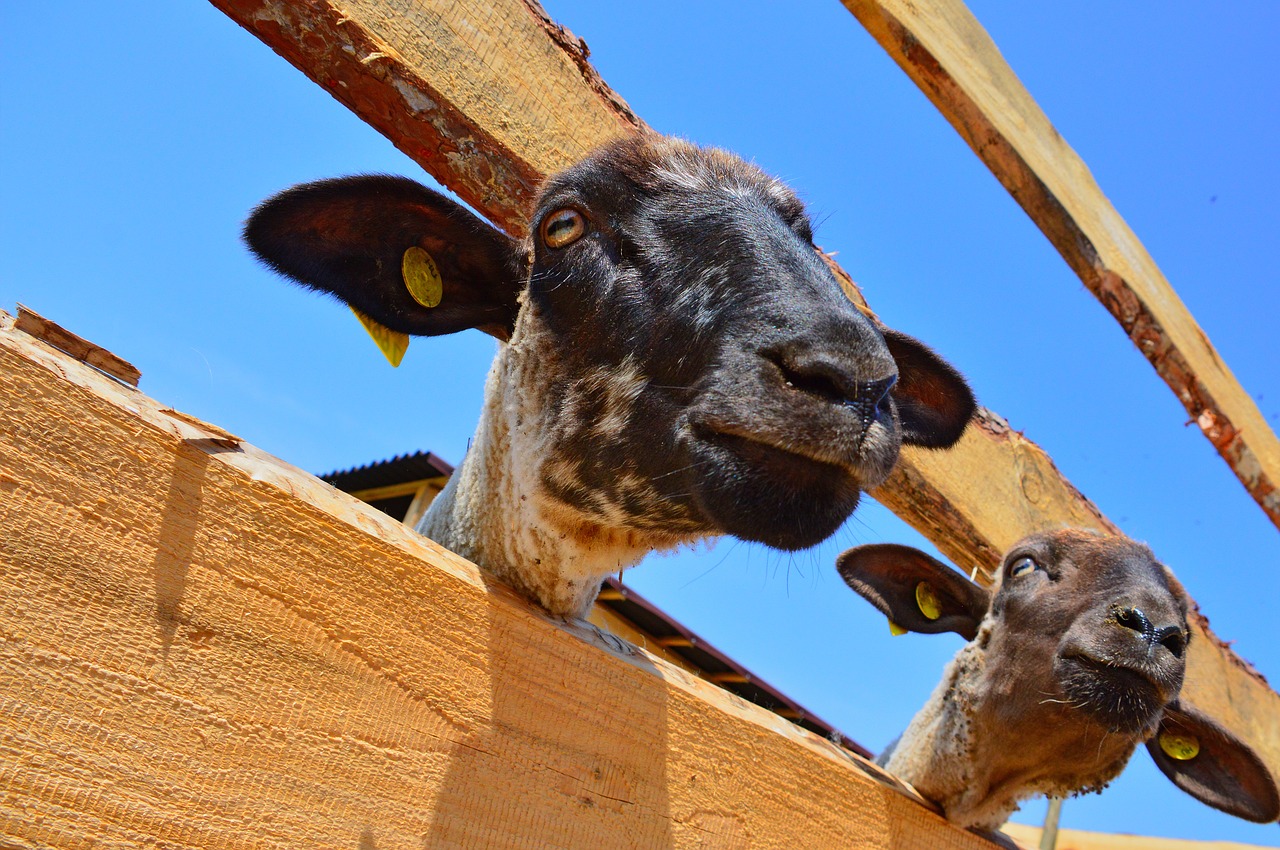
[948,54]
[392,491]
[334,42]
[77,346]
[202,646]
[614,624]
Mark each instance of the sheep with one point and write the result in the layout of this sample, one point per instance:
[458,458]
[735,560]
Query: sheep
[677,360]
[1077,657]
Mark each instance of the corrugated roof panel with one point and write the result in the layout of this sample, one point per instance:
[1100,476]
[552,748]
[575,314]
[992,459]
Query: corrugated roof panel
[397,470]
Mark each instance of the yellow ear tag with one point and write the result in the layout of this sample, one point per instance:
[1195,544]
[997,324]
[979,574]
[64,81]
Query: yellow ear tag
[928,602]
[421,277]
[392,344]
[896,630]
[1180,747]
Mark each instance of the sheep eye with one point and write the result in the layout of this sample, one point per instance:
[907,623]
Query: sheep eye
[563,227]
[1023,567]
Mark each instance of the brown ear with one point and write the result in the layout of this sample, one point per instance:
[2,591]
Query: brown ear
[934,402]
[1221,771]
[348,237]
[889,576]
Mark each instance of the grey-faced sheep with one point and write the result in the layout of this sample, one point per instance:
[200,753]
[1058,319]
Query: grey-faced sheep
[1077,658]
[678,361]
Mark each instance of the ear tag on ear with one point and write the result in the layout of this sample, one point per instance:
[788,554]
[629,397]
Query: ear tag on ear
[1180,747]
[896,630]
[421,277]
[392,344]
[928,602]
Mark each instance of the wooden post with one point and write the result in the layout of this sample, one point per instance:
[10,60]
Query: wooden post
[1049,836]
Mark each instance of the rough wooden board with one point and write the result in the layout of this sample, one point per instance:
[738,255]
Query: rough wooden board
[623,628]
[78,347]
[204,647]
[933,491]
[1075,839]
[948,54]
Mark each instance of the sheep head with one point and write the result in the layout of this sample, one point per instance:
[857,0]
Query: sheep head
[1076,658]
[680,361]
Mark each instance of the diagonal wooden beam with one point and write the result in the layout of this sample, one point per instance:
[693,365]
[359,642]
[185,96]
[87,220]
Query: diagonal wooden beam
[948,54]
[463,88]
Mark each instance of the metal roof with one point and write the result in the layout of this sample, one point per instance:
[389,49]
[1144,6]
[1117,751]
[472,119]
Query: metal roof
[382,473]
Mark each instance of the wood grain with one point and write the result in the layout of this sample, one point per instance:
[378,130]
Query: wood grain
[202,646]
[495,158]
[953,60]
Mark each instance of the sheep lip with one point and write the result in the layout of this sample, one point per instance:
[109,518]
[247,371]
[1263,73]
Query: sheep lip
[1121,673]
[754,490]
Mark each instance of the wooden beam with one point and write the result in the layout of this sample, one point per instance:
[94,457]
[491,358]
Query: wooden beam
[202,646]
[423,75]
[948,54]
[394,491]
[422,499]
[382,63]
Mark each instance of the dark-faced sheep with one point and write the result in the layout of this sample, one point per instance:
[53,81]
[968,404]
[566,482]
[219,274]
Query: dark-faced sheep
[1076,658]
[678,361]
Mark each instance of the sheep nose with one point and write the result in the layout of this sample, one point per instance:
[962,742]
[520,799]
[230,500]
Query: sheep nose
[1132,617]
[834,382]
[874,395]
[1172,638]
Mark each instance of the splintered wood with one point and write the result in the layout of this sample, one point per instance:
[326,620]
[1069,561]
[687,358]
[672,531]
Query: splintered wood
[201,646]
[472,131]
[81,349]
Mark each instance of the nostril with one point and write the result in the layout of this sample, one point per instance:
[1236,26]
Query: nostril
[875,394]
[1132,618]
[834,383]
[1173,639]
[815,379]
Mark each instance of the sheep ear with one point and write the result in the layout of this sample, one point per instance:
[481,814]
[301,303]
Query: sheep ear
[367,239]
[934,401]
[1212,765]
[913,590]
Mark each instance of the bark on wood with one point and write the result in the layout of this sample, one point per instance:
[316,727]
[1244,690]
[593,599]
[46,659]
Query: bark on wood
[948,54]
[202,646]
[487,97]
[473,79]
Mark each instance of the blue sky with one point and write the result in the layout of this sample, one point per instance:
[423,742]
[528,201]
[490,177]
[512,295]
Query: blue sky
[137,136]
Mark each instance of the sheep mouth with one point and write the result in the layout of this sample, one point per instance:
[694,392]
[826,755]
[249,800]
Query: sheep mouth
[1121,696]
[797,456]
[756,490]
